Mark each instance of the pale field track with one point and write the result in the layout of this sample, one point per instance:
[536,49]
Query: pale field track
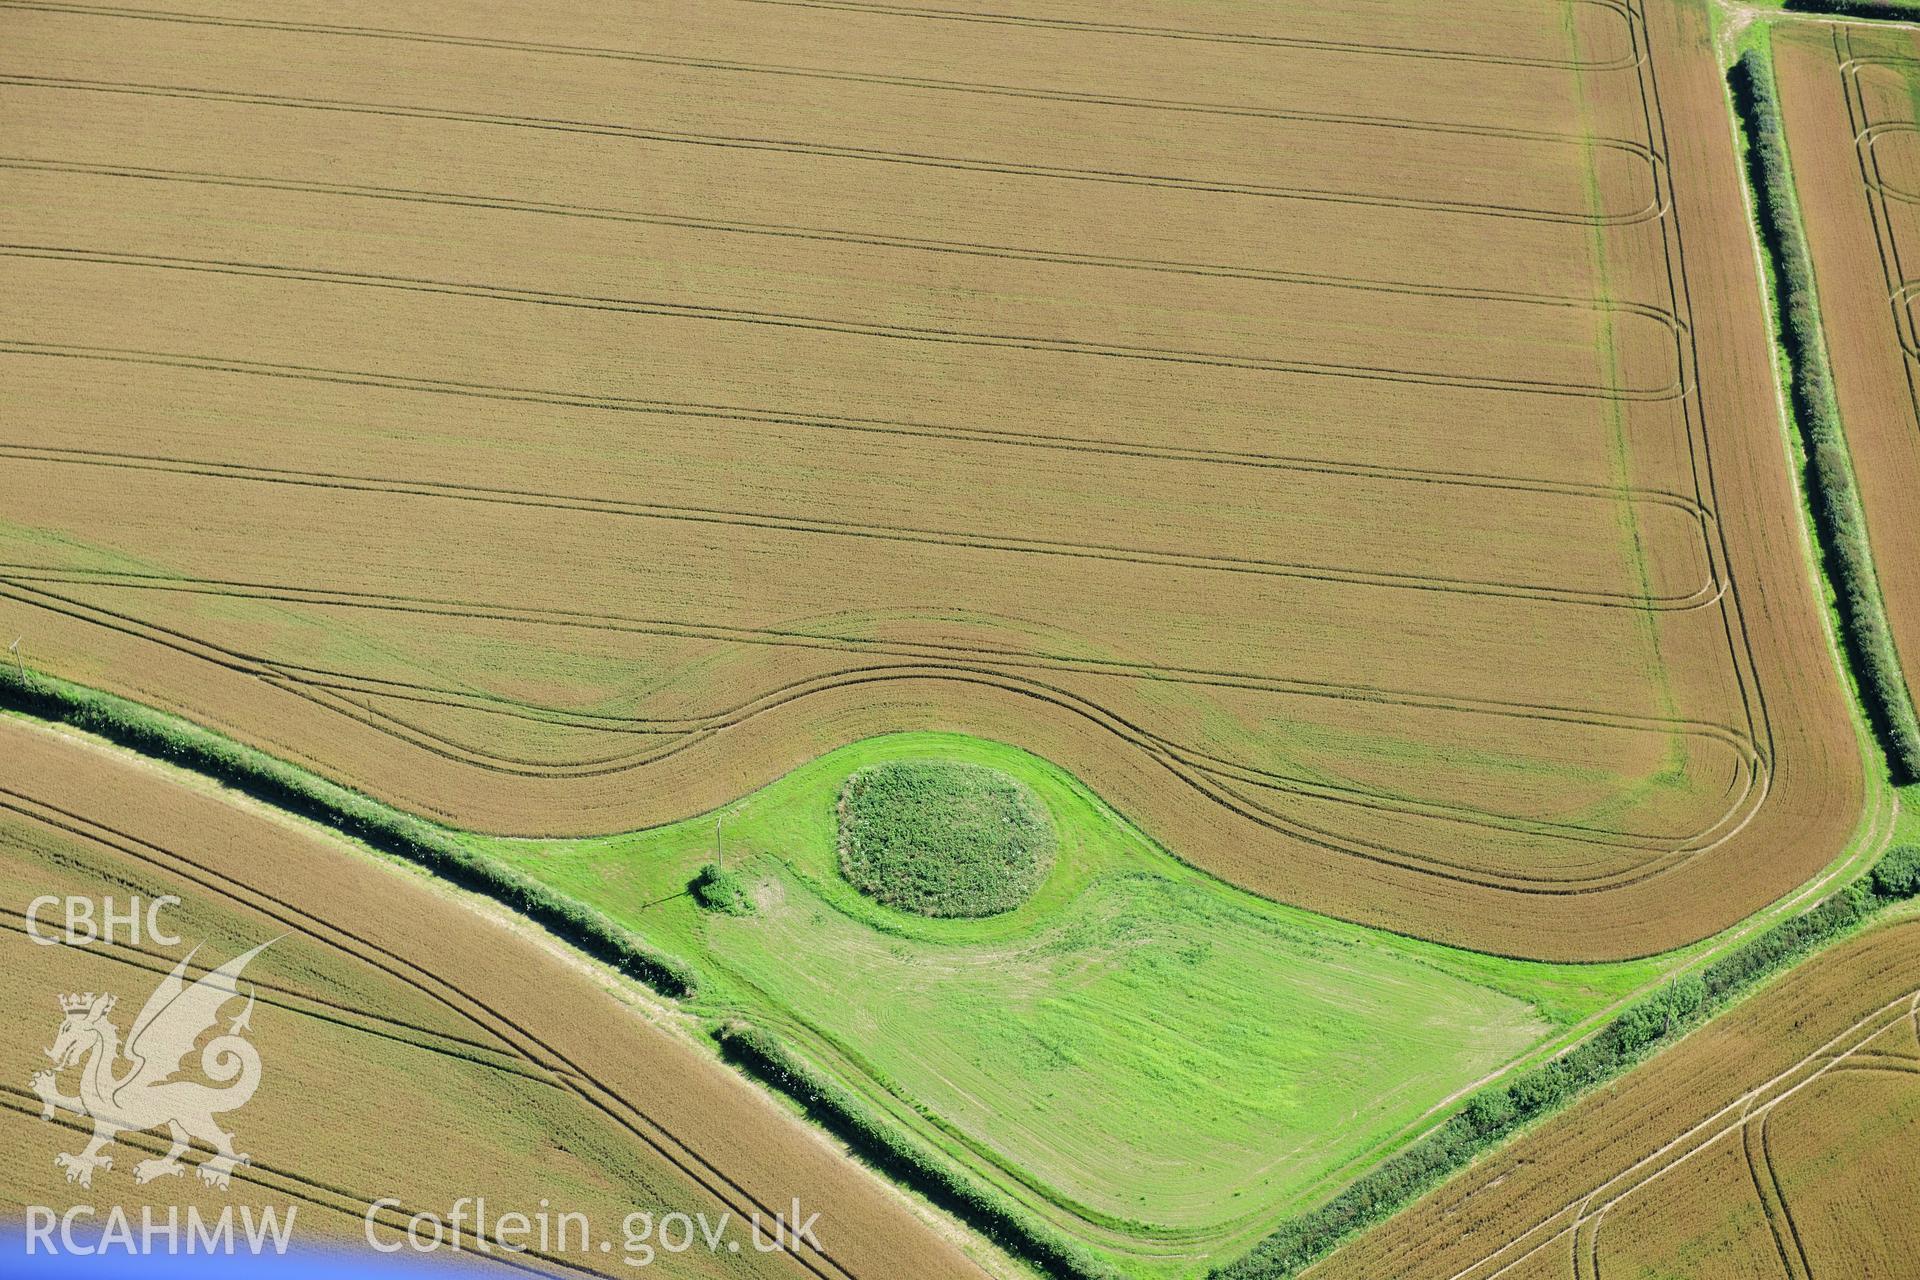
[620,1112]
[1853,124]
[1777,1141]
[770,375]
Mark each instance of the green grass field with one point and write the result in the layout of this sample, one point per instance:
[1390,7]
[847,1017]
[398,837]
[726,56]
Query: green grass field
[1157,1061]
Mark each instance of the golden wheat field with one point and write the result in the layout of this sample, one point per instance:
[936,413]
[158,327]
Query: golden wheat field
[1340,434]
[1106,641]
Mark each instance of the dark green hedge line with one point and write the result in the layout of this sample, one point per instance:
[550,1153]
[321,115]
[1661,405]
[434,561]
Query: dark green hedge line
[292,788]
[904,1158]
[1494,1114]
[1838,516]
[1892,9]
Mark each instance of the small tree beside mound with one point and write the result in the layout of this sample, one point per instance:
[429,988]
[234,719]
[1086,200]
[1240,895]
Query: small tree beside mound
[939,838]
[718,889]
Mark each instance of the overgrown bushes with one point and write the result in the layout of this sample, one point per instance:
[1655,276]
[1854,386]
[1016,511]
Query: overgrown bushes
[717,889]
[1838,516]
[292,788]
[1897,875]
[906,1159]
[1893,9]
[941,838]
[1495,1113]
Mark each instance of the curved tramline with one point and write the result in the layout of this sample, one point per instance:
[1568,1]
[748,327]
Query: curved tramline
[1121,637]
[1367,529]
[1847,108]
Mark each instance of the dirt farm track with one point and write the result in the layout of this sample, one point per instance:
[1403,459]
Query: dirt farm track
[1347,442]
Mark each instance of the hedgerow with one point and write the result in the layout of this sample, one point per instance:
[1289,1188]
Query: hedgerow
[1838,516]
[294,789]
[943,839]
[1884,9]
[1485,1119]
[906,1159]
[1493,1114]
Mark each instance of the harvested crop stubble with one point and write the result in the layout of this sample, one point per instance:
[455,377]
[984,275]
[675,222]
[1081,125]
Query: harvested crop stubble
[496,1066]
[1777,1137]
[1327,429]
[1853,124]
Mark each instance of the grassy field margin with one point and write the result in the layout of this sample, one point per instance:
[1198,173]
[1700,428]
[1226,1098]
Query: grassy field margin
[903,1158]
[890,1147]
[1839,520]
[286,786]
[1493,1115]
[1653,1023]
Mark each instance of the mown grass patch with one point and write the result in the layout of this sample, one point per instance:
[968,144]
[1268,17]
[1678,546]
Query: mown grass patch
[1138,1056]
[1652,1023]
[1110,1067]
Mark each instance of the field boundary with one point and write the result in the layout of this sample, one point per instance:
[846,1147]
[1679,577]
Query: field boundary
[883,1141]
[1857,10]
[903,1157]
[1494,1115]
[890,1148]
[295,790]
[1747,1115]
[1839,520]
[1489,1117]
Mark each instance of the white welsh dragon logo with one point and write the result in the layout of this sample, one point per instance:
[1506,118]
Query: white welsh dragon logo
[144,1095]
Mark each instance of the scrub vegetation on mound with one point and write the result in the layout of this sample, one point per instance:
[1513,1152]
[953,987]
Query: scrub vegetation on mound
[1063,414]
[939,838]
[718,889]
[1141,1059]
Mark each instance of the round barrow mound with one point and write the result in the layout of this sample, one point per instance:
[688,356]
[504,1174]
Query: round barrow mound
[943,839]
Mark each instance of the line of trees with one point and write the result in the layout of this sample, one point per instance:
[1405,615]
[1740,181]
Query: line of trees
[1486,1119]
[897,1153]
[1892,9]
[289,787]
[1838,516]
